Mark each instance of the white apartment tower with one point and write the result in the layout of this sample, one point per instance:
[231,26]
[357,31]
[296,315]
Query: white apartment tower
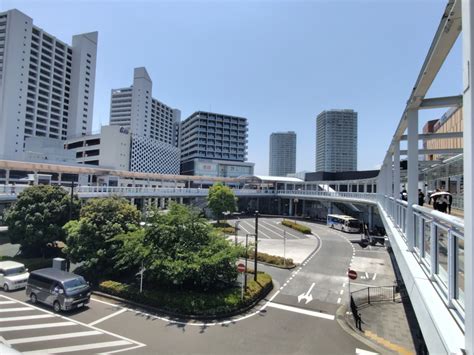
[282,153]
[46,85]
[336,141]
[135,108]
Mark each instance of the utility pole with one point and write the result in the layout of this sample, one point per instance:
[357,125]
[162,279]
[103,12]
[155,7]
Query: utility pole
[284,247]
[256,244]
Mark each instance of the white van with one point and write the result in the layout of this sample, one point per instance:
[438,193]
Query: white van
[13,275]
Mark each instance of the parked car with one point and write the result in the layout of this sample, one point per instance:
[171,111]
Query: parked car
[13,275]
[60,289]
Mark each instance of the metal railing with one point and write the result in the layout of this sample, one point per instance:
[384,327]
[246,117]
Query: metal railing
[438,244]
[370,295]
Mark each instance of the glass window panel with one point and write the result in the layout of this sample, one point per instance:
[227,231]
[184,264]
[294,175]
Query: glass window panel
[427,241]
[460,270]
[442,238]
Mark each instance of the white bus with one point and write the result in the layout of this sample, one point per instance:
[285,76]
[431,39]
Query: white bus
[344,223]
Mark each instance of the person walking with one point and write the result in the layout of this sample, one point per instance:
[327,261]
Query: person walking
[421,197]
[442,203]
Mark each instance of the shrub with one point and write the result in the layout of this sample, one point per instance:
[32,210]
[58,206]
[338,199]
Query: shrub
[192,302]
[271,259]
[296,226]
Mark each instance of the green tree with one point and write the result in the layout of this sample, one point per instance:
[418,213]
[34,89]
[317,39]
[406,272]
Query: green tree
[38,217]
[91,238]
[221,199]
[179,249]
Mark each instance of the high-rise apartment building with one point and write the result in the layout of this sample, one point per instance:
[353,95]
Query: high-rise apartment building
[46,85]
[214,144]
[135,108]
[336,141]
[282,153]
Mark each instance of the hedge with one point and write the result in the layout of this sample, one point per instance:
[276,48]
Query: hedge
[192,303]
[296,226]
[30,263]
[271,259]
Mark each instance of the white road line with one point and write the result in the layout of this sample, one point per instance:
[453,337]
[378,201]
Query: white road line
[7,302]
[274,233]
[53,337]
[78,322]
[339,300]
[366,275]
[342,291]
[364,352]
[68,349]
[18,309]
[241,226]
[108,317]
[121,350]
[301,311]
[259,233]
[36,316]
[281,229]
[375,275]
[36,326]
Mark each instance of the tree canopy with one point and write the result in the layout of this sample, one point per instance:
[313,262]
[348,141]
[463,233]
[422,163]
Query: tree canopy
[221,199]
[38,217]
[91,238]
[179,249]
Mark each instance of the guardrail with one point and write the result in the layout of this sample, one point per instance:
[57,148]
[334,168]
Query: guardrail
[370,295]
[438,247]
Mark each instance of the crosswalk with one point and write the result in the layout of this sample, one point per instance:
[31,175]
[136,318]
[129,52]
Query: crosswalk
[33,330]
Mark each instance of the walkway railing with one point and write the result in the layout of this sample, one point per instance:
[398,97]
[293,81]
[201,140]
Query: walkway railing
[438,245]
[370,295]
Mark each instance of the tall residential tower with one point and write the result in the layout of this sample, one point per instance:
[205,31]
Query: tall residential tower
[282,153]
[46,85]
[336,141]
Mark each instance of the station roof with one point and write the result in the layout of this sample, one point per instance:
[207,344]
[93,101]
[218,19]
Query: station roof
[264,178]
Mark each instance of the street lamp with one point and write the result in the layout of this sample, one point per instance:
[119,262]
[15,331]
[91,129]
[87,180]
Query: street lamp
[71,200]
[236,227]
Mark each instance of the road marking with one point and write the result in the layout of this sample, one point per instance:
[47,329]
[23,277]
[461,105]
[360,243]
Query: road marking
[139,344]
[275,233]
[37,316]
[339,300]
[7,302]
[36,326]
[366,275]
[307,296]
[364,352]
[301,311]
[68,349]
[108,317]
[342,291]
[53,337]
[260,233]
[18,309]
[373,278]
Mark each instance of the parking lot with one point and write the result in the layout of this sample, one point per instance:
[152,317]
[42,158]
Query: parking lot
[277,239]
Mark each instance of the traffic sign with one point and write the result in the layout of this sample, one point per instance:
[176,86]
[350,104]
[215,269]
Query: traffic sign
[241,267]
[352,274]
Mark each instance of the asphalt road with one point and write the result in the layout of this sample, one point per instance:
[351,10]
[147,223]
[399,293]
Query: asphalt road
[296,318]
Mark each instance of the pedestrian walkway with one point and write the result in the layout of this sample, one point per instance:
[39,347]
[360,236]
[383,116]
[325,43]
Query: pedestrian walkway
[387,324]
[33,330]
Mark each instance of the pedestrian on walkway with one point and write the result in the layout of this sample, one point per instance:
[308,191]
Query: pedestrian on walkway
[421,197]
[442,203]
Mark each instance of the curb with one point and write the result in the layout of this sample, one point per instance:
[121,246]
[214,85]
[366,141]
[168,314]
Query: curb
[277,266]
[341,319]
[172,314]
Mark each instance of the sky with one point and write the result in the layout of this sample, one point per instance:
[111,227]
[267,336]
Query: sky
[277,63]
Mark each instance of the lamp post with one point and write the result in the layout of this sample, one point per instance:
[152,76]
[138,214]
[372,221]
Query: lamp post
[71,200]
[256,245]
[236,227]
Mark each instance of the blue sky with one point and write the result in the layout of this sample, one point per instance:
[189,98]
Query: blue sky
[278,63]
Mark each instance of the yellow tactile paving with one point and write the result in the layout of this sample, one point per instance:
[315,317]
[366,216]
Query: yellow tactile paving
[389,345]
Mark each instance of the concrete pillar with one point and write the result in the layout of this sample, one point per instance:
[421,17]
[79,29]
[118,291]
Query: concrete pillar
[468,76]
[132,201]
[35,182]
[412,117]
[303,208]
[396,171]
[7,176]
[60,177]
[181,200]
[371,217]
[156,202]
[290,207]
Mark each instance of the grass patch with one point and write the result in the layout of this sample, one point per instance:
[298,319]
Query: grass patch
[30,263]
[192,302]
[296,226]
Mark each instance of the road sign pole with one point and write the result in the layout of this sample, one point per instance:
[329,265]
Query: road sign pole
[246,258]
[284,247]
[244,276]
